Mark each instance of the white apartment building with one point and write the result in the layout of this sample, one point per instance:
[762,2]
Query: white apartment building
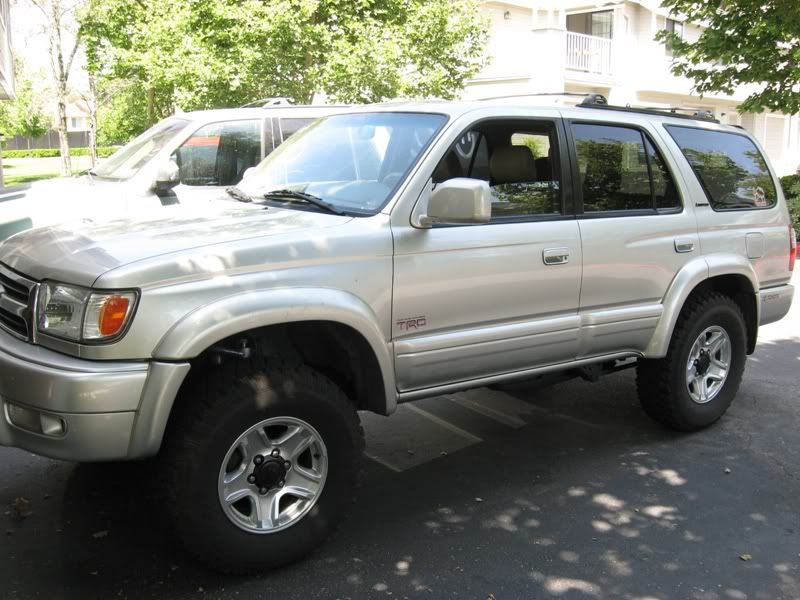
[608,47]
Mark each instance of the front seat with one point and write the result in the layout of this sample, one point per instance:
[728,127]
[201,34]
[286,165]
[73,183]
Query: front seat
[512,164]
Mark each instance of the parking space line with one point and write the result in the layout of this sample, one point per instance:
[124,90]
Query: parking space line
[382,462]
[443,423]
[487,411]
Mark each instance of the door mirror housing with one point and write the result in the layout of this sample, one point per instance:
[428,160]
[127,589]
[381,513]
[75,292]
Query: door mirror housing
[168,175]
[459,201]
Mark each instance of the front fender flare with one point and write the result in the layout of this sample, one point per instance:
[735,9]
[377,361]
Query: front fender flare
[209,324]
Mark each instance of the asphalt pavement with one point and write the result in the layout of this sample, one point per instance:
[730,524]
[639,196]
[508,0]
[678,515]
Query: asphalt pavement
[568,491]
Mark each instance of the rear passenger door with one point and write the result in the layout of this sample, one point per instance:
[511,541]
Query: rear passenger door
[635,229]
[737,202]
[480,300]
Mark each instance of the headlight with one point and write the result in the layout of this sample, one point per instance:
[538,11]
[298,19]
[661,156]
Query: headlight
[78,314]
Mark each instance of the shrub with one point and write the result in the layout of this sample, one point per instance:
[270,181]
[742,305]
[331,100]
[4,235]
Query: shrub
[102,152]
[791,189]
[34,153]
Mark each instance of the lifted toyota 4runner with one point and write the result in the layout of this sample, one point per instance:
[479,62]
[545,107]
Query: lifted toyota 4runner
[380,256]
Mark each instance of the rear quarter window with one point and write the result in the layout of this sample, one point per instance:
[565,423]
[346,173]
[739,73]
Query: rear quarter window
[729,166]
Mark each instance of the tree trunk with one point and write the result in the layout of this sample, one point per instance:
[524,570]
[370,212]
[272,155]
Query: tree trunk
[54,11]
[63,140]
[92,121]
[151,106]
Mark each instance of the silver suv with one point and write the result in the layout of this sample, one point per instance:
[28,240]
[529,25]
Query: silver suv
[380,256]
[191,157]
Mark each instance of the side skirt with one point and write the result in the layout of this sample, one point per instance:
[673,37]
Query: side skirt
[511,377]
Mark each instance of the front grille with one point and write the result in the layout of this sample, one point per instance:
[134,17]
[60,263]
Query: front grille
[17,294]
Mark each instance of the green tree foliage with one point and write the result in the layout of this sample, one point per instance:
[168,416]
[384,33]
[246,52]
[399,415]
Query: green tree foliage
[123,114]
[791,190]
[194,55]
[25,114]
[744,42]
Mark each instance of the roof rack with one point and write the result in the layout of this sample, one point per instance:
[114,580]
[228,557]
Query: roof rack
[599,101]
[595,100]
[264,102]
[535,94]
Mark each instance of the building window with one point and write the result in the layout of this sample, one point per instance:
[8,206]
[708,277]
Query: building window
[597,24]
[74,122]
[675,27]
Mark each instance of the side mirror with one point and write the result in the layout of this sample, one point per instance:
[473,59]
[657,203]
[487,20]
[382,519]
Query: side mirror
[168,175]
[459,201]
[247,172]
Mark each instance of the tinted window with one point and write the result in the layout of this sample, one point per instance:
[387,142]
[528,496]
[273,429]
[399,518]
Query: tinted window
[220,153]
[664,190]
[516,158]
[730,168]
[620,169]
[293,125]
[613,168]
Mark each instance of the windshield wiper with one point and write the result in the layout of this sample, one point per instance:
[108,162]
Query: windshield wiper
[236,193]
[310,198]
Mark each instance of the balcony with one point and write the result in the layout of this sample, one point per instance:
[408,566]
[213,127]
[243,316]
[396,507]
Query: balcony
[589,54]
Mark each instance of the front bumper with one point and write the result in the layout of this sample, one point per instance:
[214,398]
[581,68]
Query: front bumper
[81,410]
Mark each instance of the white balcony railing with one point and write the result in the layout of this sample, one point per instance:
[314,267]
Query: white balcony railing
[589,53]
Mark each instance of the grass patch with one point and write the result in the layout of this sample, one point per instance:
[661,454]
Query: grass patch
[12,180]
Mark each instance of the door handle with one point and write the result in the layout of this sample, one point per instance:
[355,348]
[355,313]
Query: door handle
[683,245]
[555,256]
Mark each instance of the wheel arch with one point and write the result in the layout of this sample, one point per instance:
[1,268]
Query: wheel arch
[732,275]
[324,327]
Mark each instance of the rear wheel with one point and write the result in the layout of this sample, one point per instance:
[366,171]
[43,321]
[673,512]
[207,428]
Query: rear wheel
[260,468]
[694,384]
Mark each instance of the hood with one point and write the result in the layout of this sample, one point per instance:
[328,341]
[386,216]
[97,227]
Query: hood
[82,253]
[61,200]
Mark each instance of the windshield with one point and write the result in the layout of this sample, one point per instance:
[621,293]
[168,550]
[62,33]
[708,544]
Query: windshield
[127,161]
[353,162]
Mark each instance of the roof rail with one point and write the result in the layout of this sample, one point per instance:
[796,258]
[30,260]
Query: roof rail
[264,102]
[599,98]
[680,113]
[595,100]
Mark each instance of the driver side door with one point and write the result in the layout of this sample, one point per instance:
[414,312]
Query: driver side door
[478,301]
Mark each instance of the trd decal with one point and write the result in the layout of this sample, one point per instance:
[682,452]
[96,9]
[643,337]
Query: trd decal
[412,323]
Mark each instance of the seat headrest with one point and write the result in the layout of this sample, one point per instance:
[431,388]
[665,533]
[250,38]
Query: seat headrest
[512,164]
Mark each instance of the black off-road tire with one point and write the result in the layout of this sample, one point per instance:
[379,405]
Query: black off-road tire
[222,405]
[661,383]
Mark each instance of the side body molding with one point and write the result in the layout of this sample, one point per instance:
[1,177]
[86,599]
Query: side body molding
[688,278]
[228,316]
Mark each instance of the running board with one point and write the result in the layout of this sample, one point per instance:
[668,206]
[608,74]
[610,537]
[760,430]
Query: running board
[460,386]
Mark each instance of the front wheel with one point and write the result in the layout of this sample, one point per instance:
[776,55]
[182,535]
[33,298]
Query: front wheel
[694,384]
[261,470]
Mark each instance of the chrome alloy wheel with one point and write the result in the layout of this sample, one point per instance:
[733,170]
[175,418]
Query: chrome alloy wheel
[272,475]
[708,365]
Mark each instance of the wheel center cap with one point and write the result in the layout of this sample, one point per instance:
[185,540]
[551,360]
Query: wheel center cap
[269,473]
[702,363]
